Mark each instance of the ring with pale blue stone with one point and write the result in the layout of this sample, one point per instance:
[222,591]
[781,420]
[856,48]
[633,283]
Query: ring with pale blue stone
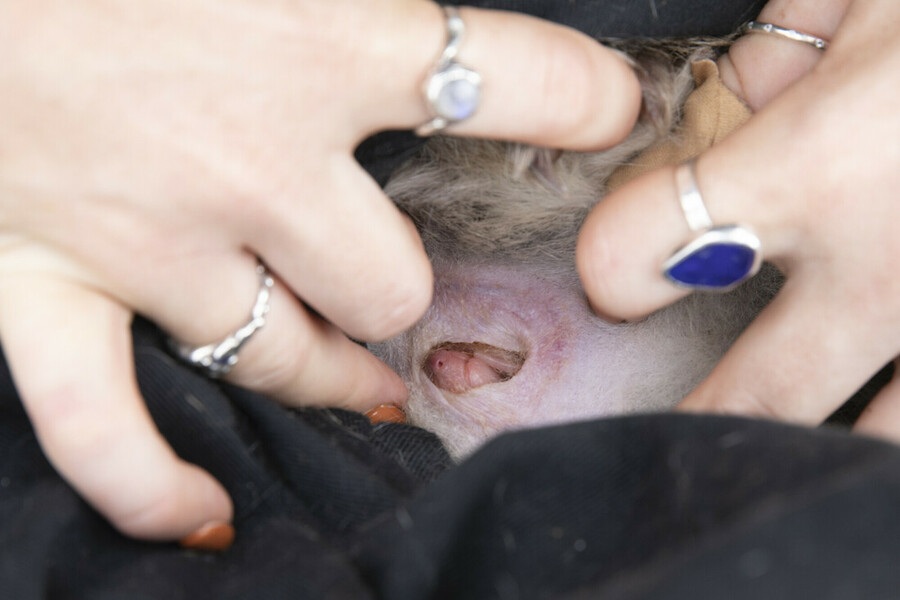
[452,90]
[217,359]
[718,258]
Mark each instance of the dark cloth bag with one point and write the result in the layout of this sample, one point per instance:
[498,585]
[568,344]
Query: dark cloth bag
[329,506]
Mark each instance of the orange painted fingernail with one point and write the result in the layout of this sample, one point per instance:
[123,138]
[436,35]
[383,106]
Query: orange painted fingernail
[215,536]
[386,413]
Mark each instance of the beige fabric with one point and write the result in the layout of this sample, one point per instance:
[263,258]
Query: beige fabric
[711,112]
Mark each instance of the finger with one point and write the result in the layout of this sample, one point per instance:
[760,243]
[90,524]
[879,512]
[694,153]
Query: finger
[345,250]
[758,67]
[798,361]
[622,271]
[542,83]
[623,243]
[348,253]
[630,233]
[881,417]
[296,357]
[77,382]
[305,361]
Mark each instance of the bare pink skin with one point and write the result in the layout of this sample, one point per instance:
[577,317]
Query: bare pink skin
[510,347]
[460,367]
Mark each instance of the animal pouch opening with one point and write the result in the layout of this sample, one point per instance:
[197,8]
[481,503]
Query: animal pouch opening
[458,367]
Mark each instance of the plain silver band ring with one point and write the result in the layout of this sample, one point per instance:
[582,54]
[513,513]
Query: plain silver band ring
[692,205]
[790,34]
[452,90]
[218,358]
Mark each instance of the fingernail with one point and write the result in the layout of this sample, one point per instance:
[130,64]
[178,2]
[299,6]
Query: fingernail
[386,413]
[214,537]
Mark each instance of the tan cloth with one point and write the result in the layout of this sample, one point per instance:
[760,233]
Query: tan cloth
[711,112]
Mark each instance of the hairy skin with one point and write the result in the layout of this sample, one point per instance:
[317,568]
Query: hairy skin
[510,340]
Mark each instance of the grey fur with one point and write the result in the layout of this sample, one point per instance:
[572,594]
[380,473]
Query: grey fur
[474,199]
[481,203]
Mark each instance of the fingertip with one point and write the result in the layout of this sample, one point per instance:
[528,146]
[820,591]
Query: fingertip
[410,292]
[543,83]
[362,267]
[612,80]
[376,386]
[589,98]
[596,265]
[176,502]
[401,304]
[548,84]
[623,244]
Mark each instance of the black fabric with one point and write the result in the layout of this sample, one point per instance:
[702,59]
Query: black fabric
[301,481]
[652,507]
[329,506]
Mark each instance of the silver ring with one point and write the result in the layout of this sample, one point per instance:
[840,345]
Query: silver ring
[452,90]
[716,259]
[218,358]
[790,34]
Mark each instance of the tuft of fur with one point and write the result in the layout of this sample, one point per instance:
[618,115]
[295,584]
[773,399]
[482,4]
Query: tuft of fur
[471,199]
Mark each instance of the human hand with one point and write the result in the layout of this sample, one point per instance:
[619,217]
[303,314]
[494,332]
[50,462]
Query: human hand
[149,152]
[815,174]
